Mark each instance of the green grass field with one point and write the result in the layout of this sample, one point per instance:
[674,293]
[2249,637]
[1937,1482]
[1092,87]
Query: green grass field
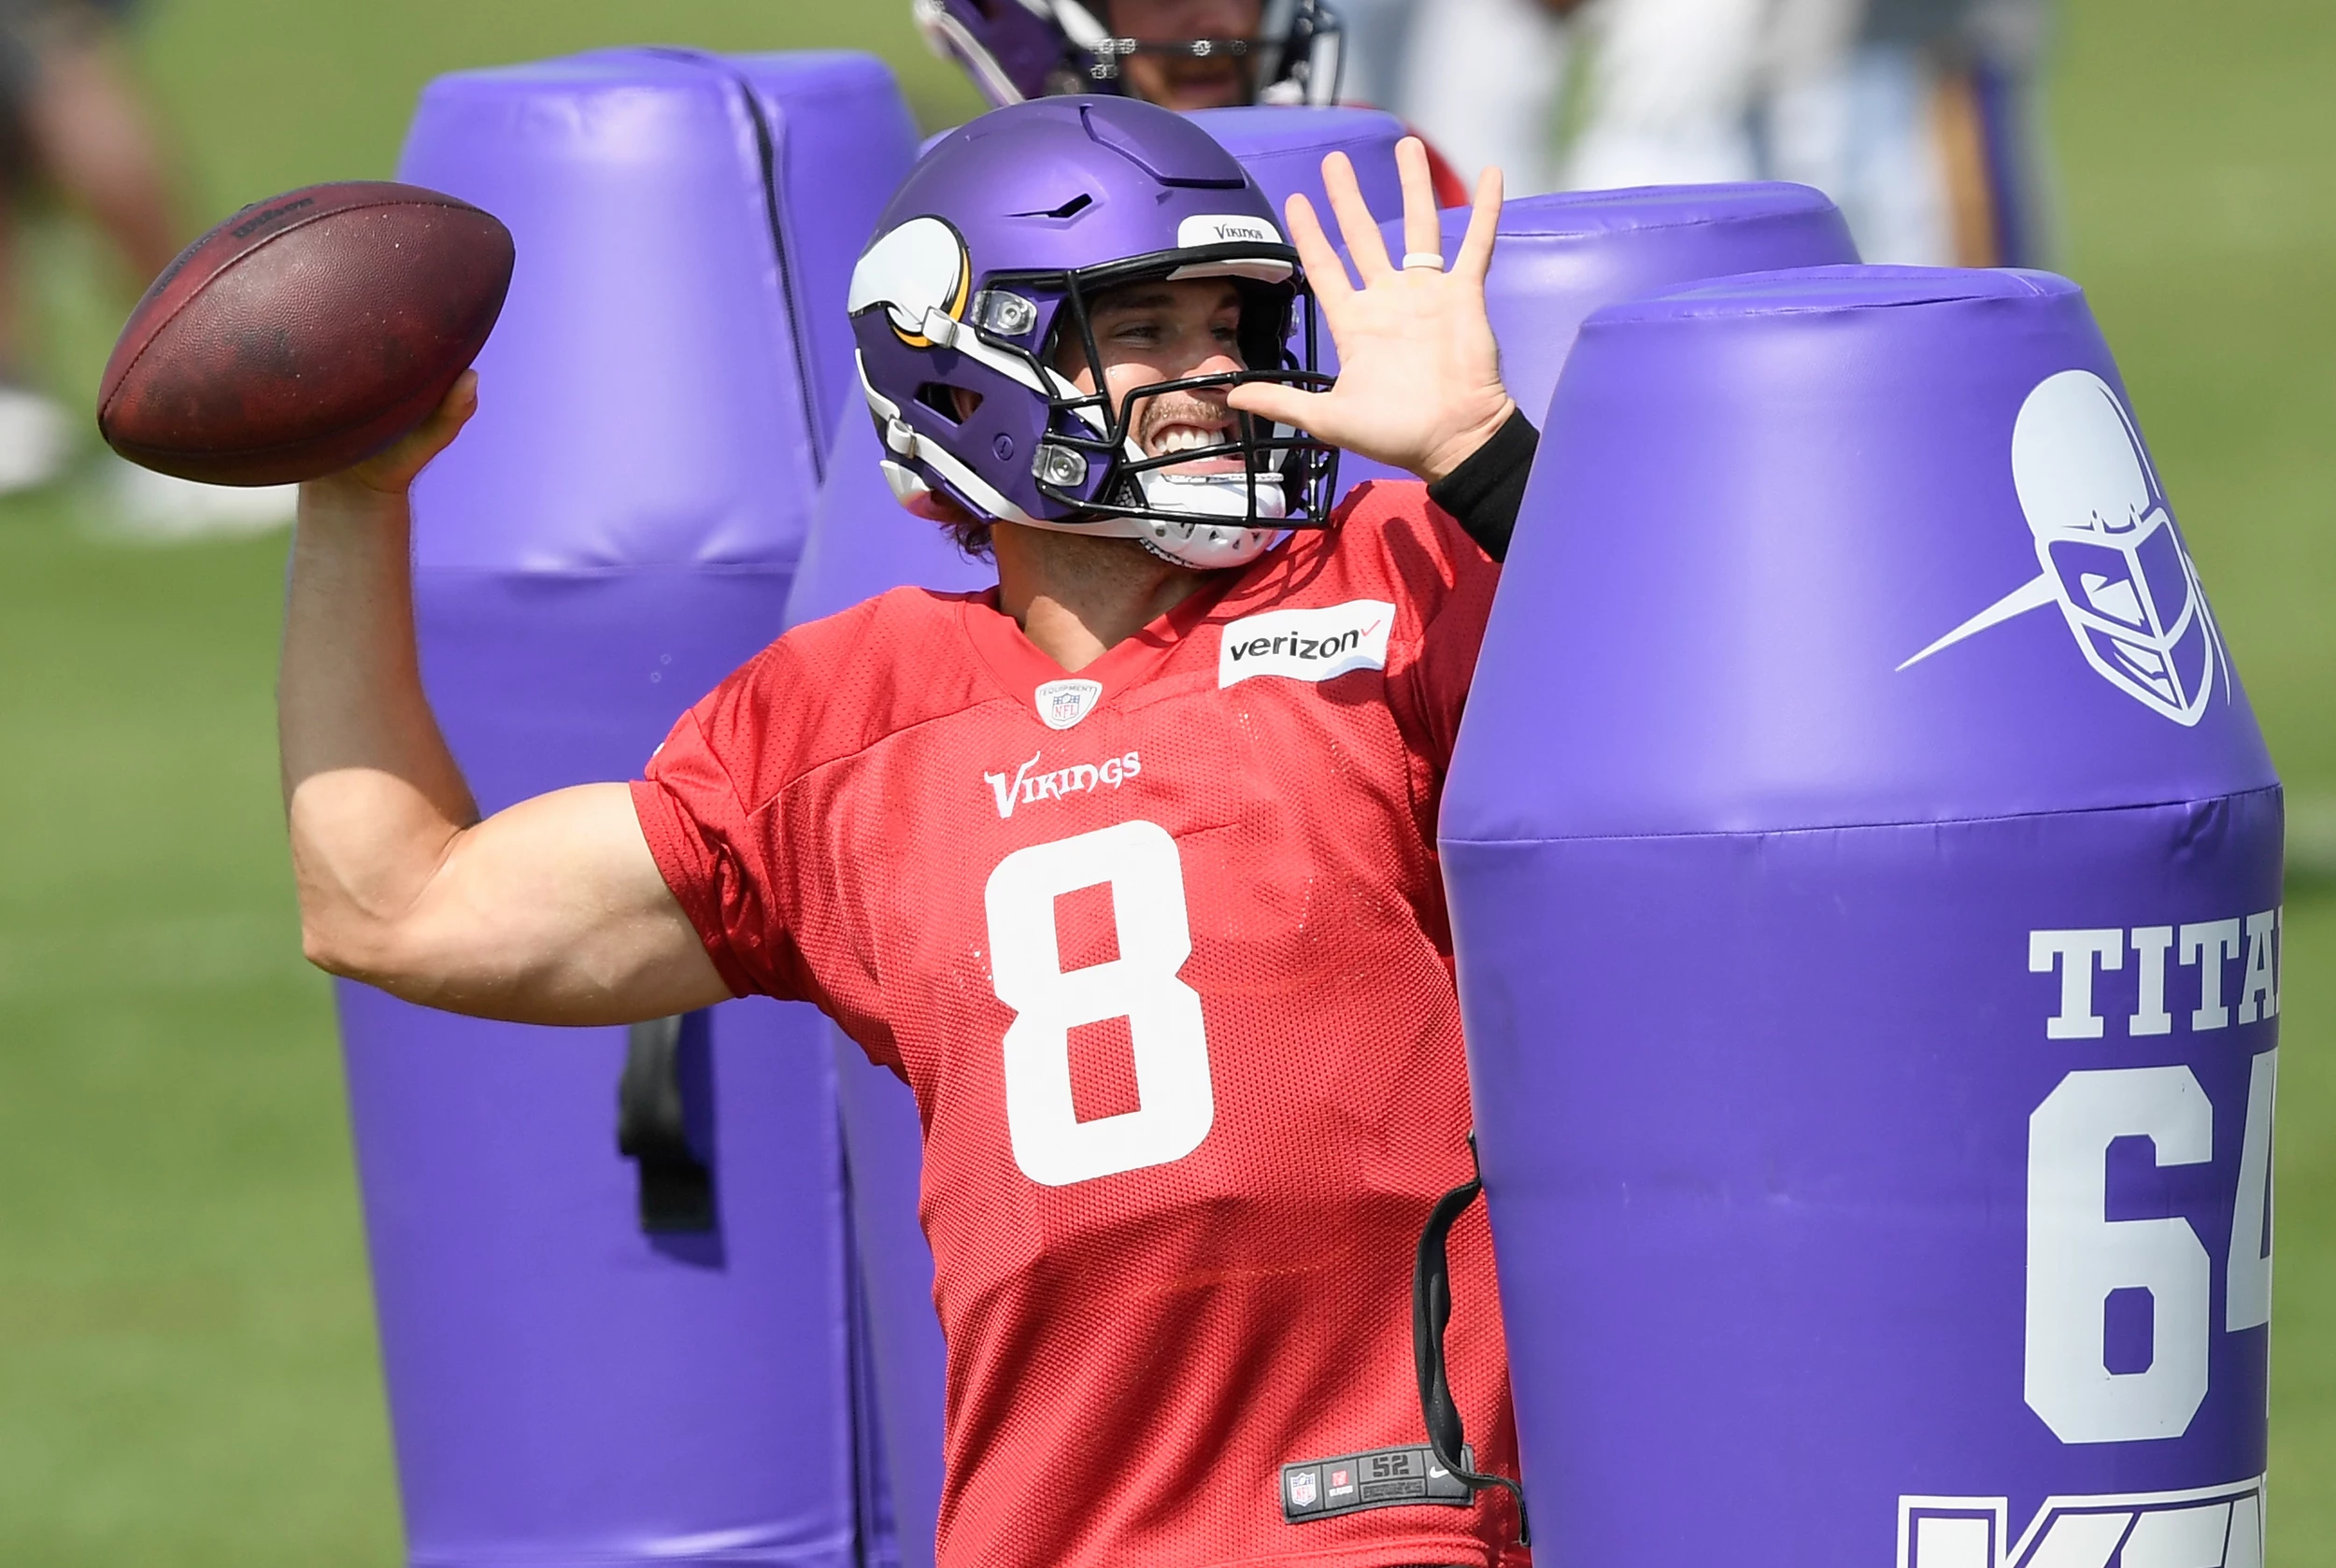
[187,1373]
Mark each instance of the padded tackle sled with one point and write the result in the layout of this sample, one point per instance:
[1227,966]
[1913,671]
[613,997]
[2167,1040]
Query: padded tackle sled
[1865,872]
[592,1357]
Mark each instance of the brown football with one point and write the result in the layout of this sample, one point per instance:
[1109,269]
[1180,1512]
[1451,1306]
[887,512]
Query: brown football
[304,333]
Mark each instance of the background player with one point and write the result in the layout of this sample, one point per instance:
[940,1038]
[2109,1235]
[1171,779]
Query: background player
[1180,55]
[1126,866]
[1918,117]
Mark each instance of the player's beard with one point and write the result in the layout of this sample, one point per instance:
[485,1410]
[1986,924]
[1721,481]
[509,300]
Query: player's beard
[1114,565]
[1155,416]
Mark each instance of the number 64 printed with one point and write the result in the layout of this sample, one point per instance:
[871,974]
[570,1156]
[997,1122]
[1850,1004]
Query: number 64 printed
[2077,1256]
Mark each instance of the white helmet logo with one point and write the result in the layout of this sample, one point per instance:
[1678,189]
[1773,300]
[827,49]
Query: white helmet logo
[920,274]
[2110,556]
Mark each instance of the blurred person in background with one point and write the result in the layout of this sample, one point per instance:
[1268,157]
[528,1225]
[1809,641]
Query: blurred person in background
[1917,116]
[1181,54]
[1487,79]
[74,123]
[1371,65]
[1670,92]
[1943,157]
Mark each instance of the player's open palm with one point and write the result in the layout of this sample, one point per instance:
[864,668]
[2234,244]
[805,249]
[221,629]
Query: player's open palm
[1419,378]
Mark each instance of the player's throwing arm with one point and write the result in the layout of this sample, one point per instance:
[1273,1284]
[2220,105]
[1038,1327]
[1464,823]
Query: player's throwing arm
[553,911]
[374,298]
[549,912]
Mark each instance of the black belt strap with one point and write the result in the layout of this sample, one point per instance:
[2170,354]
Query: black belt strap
[653,1128]
[1431,1313]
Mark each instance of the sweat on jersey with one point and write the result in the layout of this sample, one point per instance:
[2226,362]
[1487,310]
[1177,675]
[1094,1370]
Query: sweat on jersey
[1161,949]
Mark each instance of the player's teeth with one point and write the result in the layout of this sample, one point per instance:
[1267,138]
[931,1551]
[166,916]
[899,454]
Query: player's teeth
[1179,438]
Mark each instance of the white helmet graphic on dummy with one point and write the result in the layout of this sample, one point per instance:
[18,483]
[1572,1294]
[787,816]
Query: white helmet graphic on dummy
[2109,552]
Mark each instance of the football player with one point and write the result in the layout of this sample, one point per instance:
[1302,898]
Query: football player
[1127,866]
[1180,55]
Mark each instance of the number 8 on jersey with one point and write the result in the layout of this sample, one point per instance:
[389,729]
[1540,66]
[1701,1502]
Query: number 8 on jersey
[1176,1104]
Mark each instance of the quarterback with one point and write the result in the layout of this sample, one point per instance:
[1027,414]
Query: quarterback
[1127,866]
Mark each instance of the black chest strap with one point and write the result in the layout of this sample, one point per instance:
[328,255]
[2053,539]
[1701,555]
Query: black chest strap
[1431,1313]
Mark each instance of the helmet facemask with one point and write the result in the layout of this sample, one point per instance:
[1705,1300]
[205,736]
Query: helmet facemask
[1294,57]
[1260,479]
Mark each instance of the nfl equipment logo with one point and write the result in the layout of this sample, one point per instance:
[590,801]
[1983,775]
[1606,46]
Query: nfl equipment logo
[1063,703]
[1302,1489]
[2110,555]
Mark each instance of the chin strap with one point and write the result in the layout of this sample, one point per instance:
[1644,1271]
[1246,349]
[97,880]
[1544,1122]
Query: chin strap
[1431,1313]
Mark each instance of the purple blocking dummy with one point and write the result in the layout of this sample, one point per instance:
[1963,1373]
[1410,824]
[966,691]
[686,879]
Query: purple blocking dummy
[1865,872]
[591,1356]
[1560,258]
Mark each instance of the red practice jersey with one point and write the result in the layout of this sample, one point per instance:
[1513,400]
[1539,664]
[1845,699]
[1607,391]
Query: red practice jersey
[1161,949]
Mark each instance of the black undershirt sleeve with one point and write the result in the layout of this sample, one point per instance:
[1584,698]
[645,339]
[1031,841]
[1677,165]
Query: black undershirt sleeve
[1485,491]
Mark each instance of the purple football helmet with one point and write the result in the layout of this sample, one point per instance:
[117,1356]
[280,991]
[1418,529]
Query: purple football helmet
[1016,49]
[990,258]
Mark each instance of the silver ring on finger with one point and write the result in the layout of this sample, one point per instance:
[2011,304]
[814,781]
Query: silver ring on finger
[1428,260]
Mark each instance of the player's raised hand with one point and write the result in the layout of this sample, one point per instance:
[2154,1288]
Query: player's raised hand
[1420,379]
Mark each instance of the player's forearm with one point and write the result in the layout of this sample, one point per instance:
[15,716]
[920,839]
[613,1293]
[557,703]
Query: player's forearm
[373,796]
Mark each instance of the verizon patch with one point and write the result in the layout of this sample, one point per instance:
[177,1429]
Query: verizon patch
[1306,645]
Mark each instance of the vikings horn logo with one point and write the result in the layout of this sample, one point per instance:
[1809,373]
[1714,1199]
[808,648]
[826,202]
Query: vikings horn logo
[2110,556]
[922,274]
